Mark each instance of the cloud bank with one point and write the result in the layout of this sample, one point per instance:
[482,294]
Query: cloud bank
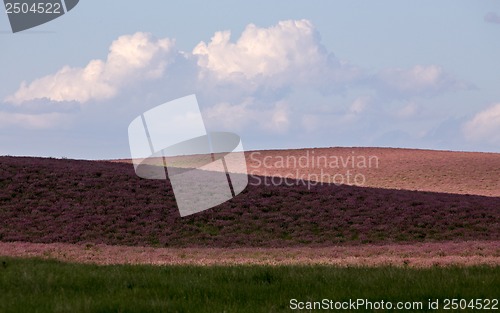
[131,58]
[287,53]
[262,61]
[252,82]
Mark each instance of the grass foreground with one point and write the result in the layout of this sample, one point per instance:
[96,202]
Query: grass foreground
[36,285]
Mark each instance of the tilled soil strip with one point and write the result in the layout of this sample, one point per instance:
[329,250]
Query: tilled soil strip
[411,255]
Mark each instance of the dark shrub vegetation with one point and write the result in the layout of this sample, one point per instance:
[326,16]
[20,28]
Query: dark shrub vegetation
[51,200]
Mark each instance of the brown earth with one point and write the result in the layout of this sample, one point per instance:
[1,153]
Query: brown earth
[389,168]
[422,170]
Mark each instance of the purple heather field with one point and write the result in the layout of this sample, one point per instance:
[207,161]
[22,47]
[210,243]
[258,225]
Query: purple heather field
[70,201]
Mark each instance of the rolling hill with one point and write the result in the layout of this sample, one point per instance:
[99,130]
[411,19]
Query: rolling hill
[70,201]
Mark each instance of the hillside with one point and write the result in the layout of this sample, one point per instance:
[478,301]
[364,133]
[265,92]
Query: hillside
[51,200]
[406,169]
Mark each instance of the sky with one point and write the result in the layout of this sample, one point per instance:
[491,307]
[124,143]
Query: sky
[281,74]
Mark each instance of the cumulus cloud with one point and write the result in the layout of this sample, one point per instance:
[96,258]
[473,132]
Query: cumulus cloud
[492,17]
[287,53]
[250,81]
[419,80]
[263,63]
[484,126]
[131,58]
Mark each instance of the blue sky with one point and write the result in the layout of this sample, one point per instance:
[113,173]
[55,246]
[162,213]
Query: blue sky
[282,74]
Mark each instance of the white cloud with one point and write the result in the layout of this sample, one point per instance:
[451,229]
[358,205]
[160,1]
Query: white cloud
[287,53]
[131,58]
[419,80]
[263,63]
[484,126]
[250,83]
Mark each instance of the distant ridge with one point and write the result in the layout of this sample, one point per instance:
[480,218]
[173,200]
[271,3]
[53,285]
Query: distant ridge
[475,173]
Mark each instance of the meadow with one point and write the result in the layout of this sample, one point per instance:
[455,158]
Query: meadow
[35,285]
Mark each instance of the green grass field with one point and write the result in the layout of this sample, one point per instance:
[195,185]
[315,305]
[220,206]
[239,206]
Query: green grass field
[35,285]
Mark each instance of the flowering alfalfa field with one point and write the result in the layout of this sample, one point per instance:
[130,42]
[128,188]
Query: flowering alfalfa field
[51,200]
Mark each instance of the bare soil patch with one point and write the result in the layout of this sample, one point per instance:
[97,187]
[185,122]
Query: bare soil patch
[407,169]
